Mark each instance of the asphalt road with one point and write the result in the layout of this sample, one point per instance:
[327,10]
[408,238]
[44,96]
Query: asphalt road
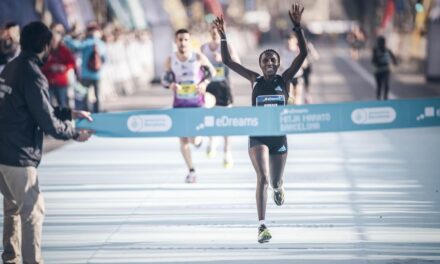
[359,197]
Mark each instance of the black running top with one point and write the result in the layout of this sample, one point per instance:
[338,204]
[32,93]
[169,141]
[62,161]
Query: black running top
[269,92]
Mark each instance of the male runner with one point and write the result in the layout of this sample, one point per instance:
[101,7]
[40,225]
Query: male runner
[188,85]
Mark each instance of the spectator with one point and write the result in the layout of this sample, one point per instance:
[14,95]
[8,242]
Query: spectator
[93,51]
[59,68]
[9,43]
[25,114]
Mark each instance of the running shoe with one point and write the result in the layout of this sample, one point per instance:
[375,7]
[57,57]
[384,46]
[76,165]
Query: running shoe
[198,142]
[263,234]
[211,152]
[278,196]
[191,178]
[228,161]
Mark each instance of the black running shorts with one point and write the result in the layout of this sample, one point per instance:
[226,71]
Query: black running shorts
[221,91]
[276,145]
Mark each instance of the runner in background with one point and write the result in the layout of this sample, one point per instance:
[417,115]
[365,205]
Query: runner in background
[185,75]
[220,87]
[356,39]
[299,91]
[288,54]
[313,55]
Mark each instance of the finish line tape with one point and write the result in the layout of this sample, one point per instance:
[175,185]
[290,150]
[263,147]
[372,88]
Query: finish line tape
[267,121]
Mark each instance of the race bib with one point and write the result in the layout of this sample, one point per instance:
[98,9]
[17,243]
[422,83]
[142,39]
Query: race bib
[271,100]
[219,73]
[188,91]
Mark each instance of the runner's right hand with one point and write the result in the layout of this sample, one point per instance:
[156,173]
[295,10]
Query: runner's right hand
[219,25]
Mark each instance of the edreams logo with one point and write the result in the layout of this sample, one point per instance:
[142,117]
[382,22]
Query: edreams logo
[226,121]
[149,123]
[429,112]
[373,115]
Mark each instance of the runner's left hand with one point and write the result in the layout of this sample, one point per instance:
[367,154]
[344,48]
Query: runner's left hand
[219,24]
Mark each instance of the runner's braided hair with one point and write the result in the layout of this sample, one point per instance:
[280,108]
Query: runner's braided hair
[267,51]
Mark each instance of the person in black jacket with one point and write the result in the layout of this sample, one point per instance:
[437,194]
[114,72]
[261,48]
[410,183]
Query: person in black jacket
[25,115]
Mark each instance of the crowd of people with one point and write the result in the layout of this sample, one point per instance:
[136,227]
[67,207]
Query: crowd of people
[88,66]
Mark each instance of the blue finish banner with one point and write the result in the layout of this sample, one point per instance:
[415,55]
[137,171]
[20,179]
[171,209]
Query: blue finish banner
[267,121]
